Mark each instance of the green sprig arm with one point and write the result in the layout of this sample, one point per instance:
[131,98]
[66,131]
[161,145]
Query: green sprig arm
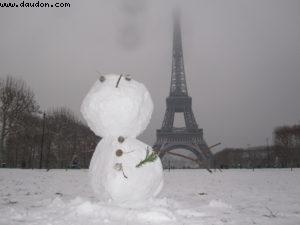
[149,158]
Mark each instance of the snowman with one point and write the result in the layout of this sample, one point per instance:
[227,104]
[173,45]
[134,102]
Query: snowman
[123,169]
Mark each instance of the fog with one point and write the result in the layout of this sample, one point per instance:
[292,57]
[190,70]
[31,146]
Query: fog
[242,58]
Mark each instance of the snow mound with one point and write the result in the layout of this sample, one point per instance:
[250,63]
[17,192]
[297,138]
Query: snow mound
[80,210]
[219,204]
[150,211]
[190,213]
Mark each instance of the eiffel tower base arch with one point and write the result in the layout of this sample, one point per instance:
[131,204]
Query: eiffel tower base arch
[202,160]
[182,138]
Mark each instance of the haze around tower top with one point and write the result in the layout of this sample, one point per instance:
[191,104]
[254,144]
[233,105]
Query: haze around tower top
[241,58]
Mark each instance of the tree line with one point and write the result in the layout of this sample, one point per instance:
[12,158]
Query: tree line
[32,138]
[283,153]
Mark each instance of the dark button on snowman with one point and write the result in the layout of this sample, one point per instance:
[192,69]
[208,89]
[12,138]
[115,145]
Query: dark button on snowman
[122,169]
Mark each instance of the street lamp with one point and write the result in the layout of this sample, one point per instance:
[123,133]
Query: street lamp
[42,141]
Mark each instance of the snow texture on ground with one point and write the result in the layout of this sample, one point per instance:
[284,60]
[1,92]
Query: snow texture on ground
[241,197]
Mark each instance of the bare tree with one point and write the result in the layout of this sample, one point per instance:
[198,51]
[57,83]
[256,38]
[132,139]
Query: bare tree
[67,140]
[287,145]
[16,100]
[24,143]
[27,140]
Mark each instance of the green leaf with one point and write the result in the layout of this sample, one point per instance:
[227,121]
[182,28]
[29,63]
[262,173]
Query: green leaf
[149,158]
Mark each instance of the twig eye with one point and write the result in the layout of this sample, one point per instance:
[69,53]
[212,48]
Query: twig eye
[128,77]
[102,79]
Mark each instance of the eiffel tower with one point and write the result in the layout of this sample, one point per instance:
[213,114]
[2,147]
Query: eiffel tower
[189,137]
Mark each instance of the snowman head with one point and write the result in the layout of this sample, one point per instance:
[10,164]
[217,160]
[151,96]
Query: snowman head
[117,105]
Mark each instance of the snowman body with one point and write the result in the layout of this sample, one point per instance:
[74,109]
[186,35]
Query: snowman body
[118,109]
[117,177]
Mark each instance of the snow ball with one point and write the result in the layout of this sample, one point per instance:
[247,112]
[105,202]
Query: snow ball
[127,182]
[124,110]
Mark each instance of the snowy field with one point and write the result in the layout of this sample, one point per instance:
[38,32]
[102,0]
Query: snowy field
[189,197]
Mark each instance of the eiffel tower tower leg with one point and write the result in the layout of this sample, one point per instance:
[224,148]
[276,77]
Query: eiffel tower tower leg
[169,118]
[189,118]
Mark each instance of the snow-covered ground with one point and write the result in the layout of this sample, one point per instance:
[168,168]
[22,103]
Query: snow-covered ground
[242,197]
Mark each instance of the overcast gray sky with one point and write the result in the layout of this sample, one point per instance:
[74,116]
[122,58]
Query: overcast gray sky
[242,58]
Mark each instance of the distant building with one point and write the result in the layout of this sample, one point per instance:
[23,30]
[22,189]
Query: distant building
[254,157]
